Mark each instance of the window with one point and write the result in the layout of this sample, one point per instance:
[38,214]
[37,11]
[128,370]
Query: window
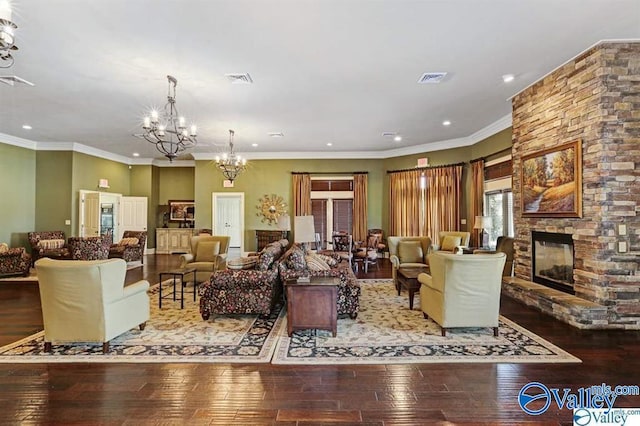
[499,206]
[332,206]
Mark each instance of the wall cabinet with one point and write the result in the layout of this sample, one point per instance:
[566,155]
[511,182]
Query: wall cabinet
[173,240]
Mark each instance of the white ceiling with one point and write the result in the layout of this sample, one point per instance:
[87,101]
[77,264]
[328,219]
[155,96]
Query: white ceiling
[339,71]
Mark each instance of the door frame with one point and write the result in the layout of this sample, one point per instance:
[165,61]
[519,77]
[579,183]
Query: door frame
[240,195]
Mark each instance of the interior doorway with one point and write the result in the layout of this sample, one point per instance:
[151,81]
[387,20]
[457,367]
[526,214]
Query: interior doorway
[228,217]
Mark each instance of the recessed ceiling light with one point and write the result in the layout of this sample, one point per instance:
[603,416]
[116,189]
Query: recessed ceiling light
[276,134]
[135,154]
[26,127]
[329,144]
[254,144]
[508,78]
[446,123]
[397,138]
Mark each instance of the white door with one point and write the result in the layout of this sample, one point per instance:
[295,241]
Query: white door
[228,217]
[133,215]
[90,214]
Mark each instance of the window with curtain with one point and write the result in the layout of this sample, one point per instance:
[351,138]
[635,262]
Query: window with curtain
[498,198]
[319,211]
[343,216]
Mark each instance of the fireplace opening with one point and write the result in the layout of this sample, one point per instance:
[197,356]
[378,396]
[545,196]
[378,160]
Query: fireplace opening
[552,260]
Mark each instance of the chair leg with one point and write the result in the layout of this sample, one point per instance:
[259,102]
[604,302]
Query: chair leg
[142,326]
[424,314]
[496,333]
[444,332]
[47,346]
[105,347]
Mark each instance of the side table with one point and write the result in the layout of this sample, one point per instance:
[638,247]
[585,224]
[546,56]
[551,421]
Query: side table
[408,279]
[312,304]
[178,276]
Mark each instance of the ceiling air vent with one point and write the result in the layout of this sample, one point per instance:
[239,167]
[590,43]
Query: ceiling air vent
[386,134]
[239,78]
[431,77]
[12,80]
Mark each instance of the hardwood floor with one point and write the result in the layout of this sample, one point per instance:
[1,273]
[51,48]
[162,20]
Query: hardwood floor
[134,394]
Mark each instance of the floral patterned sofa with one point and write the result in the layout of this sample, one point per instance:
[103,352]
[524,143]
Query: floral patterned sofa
[89,248]
[294,265]
[14,261]
[245,291]
[50,244]
[130,248]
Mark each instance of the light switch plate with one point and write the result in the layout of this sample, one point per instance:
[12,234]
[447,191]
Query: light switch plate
[67,222]
[622,247]
[622,229]
[463,221]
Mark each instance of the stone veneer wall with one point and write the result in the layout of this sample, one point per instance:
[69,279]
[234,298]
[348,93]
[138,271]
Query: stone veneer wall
[594,98]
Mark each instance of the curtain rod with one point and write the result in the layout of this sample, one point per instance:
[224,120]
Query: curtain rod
[329,173]
[426,168]
[492,155]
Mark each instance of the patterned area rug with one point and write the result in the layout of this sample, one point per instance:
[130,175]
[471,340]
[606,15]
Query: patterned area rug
[171,335]
[387,332]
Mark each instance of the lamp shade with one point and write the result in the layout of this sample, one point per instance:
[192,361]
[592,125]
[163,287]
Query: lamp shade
[304,229]
[284,222]
[483,222]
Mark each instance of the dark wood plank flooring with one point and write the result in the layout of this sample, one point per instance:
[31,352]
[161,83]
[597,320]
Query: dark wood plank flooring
[161,394]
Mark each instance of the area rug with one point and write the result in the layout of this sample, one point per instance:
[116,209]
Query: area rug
[387,332]
[171,335]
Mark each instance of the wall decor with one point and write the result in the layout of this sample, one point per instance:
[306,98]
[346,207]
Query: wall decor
[271,207]
[552,182]
[182,210]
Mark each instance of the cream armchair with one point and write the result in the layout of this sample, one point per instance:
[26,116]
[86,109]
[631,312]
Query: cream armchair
[87,301]
[462,290]
[450,240]
[208,254]
[407,252]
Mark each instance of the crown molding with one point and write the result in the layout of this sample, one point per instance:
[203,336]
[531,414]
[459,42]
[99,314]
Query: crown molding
[493,128]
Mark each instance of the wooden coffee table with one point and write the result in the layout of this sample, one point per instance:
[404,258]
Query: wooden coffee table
[312,304]
[408,279]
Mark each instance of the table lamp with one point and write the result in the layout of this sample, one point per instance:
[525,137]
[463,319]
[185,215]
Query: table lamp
[304,230]
[483,222]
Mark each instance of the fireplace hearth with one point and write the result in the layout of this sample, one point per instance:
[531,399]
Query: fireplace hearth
[552,260]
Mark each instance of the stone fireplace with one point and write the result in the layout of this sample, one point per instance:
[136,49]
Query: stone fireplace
[594,98]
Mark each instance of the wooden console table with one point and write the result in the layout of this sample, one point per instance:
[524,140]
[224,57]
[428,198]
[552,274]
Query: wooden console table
[312,304]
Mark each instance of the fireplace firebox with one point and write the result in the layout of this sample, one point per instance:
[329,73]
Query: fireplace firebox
[552,260]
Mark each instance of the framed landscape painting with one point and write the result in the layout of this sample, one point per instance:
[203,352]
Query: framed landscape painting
[552,182]
[182,210]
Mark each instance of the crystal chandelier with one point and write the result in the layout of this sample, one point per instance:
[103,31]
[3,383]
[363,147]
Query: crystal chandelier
[231,164]
[168,131]
[7,36]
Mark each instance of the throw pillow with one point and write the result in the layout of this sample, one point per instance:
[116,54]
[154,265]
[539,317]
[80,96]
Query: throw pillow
[51,244]
[207,251]
[296,259]
[129,241]
[449,243]
[410,252]
[315,263]
[243,263]
[4,248]
[329,260]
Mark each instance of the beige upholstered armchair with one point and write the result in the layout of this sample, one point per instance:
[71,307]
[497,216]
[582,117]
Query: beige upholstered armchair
[87,301]
[208,254]
[462,290]
[408,252]
[449,240]
[504,245]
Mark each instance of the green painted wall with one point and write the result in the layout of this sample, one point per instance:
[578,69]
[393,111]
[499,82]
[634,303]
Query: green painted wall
[493,146]
[176,183]
[53,191]
[143,185]
[18,195]
[274,177]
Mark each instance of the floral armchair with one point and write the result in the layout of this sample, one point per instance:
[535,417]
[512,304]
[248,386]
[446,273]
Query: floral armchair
[89,248]
[50,244]
[245,291]
[294,265]
[14,261]
[131,247]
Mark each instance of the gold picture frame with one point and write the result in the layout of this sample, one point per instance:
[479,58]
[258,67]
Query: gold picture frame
[551,182]
[182,210]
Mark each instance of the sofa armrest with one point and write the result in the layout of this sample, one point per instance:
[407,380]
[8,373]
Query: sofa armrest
[16,251]
[395,261]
